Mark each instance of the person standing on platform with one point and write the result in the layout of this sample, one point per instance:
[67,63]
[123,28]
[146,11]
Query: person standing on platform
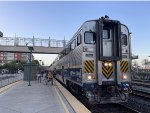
[49,77]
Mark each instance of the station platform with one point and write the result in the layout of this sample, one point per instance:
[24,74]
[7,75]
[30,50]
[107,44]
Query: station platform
[38,98]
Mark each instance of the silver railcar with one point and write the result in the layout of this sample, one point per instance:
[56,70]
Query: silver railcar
[96,61]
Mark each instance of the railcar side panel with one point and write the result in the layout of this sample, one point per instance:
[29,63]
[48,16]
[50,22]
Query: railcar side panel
[96,61]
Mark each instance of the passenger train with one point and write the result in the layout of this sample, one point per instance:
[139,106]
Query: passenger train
[96,61]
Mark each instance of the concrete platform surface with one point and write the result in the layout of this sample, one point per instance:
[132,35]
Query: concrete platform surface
[37,98]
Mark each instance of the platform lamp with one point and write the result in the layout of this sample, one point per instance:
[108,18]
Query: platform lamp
[31,49]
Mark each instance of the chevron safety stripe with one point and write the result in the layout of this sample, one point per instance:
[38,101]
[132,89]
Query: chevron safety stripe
[124,66]
[89,66]
[107,70]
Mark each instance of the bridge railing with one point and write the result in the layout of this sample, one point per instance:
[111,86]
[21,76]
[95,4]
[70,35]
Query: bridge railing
[19,41]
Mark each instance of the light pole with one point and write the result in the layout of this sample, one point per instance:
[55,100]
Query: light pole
[31,49]
[40,66]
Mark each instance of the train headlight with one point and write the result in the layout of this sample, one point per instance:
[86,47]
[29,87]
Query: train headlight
[124,77]
[106,64]
[89,77]
[110,64]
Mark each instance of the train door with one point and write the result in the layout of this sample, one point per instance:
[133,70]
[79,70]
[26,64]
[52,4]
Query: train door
[108,50]
[107,41]
[62,73]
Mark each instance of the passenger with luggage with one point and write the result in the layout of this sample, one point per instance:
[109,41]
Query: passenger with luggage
[49,77]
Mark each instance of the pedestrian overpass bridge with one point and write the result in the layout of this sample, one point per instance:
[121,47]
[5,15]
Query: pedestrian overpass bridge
[19,44]
[43,46]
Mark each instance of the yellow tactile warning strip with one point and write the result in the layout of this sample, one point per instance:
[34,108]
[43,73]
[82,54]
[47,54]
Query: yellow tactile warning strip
[5,88]
[89,66]
[65,108]
[107,70]
[76,105]
[123,66]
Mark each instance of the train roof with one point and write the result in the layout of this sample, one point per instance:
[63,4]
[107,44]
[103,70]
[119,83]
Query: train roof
[106,17]
[86,22]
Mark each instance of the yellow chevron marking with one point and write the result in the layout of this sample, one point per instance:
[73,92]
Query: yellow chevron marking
[123,66]
[126,69]
[107,71]
[89,66]
[87,70]
[105,74]
[91,63]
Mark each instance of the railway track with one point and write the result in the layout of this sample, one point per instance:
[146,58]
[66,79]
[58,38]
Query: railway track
[111,108]
[104,108]
[141,94]
[139,99]
[141,89]
[138,103]
[141,83]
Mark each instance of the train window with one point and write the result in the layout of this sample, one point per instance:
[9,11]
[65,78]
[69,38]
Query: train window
[106,33]
[67,49]
[64,52]
[89,38]
[124,39]
[60,56]
[79,39]
[73,45]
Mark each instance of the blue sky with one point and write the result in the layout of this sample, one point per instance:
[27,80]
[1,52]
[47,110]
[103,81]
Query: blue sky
[59,18]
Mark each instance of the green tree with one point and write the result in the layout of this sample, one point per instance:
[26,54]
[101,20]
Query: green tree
[14,66]
[35,62]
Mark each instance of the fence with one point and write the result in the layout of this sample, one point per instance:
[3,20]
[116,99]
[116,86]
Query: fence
[7,79]
[139,75]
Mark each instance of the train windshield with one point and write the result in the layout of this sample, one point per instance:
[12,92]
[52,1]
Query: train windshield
[89,38]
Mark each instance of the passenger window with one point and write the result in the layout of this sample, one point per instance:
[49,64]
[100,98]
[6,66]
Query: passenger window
[124,40]
[73,45]
[67,49]
[79,39]
[89,38]
[64,52]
